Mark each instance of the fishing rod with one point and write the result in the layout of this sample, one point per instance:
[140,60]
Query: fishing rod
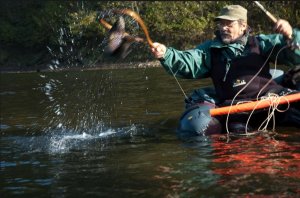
[119,41]
[274,19]
[137,18]
[116,45]
[291,43]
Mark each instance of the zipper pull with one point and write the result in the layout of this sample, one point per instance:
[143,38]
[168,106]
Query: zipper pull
[226,71]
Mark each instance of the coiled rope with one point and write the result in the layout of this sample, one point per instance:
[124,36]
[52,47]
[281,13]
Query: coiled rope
[272,98]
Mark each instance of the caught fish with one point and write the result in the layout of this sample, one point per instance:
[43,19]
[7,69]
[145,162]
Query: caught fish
[118,40]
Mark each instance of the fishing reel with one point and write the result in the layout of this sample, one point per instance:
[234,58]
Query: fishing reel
[293,45]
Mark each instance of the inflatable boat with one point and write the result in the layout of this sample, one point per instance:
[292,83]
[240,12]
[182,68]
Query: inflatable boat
[205,118]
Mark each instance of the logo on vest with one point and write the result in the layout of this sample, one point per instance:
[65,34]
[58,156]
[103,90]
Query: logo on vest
[239,82]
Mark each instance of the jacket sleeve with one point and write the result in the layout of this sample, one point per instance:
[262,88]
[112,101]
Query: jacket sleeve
[288,55]
[191,64]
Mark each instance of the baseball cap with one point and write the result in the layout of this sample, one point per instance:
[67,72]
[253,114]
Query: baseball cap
[233,13]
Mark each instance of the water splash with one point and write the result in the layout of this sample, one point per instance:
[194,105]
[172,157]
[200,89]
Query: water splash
[75,47]
[70,51]
[65,142]
[83,114]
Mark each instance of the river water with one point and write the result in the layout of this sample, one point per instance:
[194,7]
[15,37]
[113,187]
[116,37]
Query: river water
[112,133]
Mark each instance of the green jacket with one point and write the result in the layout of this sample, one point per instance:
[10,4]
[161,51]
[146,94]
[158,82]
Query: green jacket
[196,63]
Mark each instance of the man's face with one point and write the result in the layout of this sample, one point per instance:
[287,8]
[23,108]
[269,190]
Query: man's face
[230,31]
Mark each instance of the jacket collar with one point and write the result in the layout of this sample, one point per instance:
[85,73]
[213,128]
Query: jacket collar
[239,44]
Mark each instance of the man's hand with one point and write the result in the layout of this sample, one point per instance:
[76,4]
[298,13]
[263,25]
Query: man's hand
[158,50]
[283,27]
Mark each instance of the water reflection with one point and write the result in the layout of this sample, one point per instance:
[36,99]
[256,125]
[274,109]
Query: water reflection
[257,155]
[258,165]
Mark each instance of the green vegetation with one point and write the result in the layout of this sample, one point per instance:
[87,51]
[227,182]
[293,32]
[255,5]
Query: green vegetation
[35,34]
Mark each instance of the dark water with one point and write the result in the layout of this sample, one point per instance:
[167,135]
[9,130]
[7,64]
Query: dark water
[111,133]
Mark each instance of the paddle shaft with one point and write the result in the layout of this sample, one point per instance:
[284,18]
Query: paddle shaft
[250,106]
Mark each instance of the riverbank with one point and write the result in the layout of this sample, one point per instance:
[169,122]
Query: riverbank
[46,68]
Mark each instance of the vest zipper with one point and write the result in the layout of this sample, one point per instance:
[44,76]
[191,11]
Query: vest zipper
[227,69]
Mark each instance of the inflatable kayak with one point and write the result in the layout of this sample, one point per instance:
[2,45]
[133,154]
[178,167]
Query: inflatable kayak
[205,118]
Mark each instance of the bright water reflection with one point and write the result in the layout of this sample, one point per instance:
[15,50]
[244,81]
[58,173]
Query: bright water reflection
[111,133]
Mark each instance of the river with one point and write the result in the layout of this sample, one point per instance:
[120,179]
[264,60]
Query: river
[112,133]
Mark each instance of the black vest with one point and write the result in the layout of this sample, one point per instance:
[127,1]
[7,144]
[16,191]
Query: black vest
[230,74]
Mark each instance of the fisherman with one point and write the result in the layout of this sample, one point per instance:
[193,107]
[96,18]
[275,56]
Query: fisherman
[232,59]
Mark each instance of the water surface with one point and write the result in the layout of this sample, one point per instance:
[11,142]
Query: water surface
[112,133]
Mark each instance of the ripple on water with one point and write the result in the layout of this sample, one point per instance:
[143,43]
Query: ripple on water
[4,127]
[4,93]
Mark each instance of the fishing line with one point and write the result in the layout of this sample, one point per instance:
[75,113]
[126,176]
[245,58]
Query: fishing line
[137,18]
[271,97]
[274,98]
[231,104]
[174,75]
[275,68]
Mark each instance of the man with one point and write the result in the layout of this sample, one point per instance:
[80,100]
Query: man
[237,62]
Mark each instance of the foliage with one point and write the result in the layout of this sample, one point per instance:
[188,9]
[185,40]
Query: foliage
[70,29]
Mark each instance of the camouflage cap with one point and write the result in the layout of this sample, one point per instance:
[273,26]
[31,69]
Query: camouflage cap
[233,13]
